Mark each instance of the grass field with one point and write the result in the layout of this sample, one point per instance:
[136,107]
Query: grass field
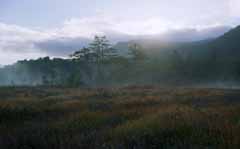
[119,118]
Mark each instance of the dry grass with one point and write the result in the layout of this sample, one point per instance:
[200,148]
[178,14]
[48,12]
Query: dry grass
[131,117]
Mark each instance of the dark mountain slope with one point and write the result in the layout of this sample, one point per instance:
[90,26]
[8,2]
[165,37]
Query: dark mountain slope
[228,45]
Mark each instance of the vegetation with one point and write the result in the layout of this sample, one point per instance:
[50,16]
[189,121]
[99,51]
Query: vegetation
[205,63]
[130,117]
[98,51]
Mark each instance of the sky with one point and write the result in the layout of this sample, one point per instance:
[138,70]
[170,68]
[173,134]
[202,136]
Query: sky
[34,28]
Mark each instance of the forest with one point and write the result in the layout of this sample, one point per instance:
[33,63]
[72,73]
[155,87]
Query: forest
[213,63]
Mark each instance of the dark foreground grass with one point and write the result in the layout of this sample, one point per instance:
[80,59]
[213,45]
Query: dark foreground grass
[126,118]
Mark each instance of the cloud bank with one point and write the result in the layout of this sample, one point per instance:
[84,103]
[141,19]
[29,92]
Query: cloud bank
[17,42]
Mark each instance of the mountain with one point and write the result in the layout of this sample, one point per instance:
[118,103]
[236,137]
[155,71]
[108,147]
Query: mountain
[224,49]
[166,62]
[191,34]
[229,39]
[159,47]
[226,44]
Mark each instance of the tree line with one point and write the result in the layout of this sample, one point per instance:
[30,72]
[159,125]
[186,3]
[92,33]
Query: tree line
[101,64]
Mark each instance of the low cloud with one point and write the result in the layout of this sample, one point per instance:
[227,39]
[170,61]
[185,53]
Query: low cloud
[193,34]
[18,42]
[61,46]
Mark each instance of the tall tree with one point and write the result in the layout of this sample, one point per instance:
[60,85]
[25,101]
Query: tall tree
[99,49]
[102,48]
[99,52]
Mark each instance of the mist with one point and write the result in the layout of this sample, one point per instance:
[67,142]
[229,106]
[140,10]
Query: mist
[182,43]
[158,62]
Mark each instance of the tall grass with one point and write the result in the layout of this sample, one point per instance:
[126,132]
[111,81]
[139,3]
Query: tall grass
[127,118]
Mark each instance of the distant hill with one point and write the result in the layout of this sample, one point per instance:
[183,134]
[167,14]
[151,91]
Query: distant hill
[212,62]
[224,49]
[215,59]
[225,45]
[229,39]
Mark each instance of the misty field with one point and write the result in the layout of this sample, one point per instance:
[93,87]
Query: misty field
[119,118]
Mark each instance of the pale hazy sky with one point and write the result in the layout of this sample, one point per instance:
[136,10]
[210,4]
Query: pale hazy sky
[27,25]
